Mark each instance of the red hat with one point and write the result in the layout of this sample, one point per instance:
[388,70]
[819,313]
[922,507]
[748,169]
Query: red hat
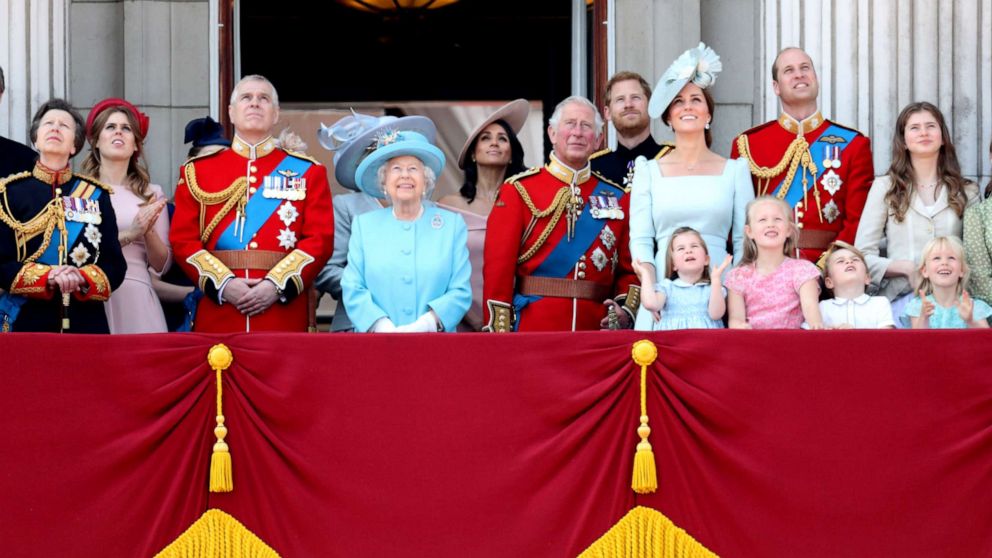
[105,104]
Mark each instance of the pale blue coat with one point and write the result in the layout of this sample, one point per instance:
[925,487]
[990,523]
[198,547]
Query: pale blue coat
[400,269]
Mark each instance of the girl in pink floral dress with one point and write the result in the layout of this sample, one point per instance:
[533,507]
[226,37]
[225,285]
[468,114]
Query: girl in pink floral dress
[770,289]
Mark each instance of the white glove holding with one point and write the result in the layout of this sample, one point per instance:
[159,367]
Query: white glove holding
[384,325]
[426,323]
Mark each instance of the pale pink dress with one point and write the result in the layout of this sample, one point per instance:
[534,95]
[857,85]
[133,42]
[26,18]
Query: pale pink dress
[772,301]
[476,244]
[134,307]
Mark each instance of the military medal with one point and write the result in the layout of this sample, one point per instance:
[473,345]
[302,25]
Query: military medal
[287,213]
[630,173]
[81,210]
[287,185]
[831,182]
[830,211]
[599,258]
[94,235]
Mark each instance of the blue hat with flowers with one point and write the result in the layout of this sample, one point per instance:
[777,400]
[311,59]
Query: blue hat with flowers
[700,65]
[395,143]
[351,137]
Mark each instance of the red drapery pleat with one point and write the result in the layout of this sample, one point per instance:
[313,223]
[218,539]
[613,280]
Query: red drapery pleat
[768,443]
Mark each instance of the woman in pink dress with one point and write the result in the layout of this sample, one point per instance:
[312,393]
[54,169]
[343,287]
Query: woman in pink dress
[116,131]
[491,154]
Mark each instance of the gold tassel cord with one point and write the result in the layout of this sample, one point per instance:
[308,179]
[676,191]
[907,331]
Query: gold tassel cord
[646,533]
[221,476]
[217,535]
[645,477]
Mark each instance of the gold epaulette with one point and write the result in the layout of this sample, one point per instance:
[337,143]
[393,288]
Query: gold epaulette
[14,177]
[601,152]
[608,181]
[529,172]
[90,180]
[303,156]
[666,148]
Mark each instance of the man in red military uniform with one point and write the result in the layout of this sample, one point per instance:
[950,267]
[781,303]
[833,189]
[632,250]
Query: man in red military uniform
[823,169]
[556,240]
[253,224]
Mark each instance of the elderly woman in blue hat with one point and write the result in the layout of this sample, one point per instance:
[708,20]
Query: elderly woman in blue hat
[408,267]
[690,187]
[348,138]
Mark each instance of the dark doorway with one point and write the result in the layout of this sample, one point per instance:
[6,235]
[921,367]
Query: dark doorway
[320,52]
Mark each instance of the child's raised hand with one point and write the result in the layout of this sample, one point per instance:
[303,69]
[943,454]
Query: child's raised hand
[926,307]
[966,307]
[717,272]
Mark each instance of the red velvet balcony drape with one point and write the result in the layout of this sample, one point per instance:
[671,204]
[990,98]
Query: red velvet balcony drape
[768,443]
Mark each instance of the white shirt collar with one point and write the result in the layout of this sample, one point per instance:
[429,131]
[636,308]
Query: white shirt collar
[857,300]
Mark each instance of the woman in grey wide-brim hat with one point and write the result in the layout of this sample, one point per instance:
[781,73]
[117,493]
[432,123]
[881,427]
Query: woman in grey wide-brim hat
[408,268]
[491,154]
[690,187]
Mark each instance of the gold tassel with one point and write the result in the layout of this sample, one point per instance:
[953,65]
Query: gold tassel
[221,475]
[217,535]
[646,533]
[645,477]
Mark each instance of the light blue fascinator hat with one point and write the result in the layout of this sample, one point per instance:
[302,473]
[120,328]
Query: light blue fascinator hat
[396,143]
[350,138]
[699,65]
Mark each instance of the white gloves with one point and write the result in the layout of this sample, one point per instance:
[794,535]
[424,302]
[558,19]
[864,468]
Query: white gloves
[383,325]
[426,323]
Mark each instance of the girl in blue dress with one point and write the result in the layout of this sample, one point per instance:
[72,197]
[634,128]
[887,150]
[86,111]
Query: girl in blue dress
[690,296]
[941,301]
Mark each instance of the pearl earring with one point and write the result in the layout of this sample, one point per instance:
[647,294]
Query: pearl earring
[707,125]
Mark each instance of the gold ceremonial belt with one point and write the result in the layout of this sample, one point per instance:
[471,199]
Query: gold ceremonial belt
[562,288]
[249,259]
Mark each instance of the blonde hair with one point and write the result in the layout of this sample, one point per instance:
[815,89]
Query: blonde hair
[791,240]
[835,247]
[670,271]
[954,245]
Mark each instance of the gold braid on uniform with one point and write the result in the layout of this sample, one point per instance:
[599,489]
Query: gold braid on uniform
[43,223]
[557,207]
[230,196]
[796,154]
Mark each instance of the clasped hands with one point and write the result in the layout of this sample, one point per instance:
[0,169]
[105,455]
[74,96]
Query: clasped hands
[251,296]
[66,278]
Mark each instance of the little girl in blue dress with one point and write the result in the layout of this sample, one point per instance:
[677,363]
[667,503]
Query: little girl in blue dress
[690,295]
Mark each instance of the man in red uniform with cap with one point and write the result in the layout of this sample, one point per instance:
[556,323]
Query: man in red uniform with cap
[822,169]
[253,224]
[556,241]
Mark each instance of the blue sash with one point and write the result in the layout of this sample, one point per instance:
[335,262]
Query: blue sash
[562,258]
[817,149]
[10,304]
[259,208]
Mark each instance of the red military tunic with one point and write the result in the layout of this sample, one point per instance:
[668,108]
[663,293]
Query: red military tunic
[601,270]
[289,248]
[836,215]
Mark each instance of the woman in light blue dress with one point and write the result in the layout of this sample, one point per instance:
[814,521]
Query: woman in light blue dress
[348,138]
[691,186]
[408,266]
